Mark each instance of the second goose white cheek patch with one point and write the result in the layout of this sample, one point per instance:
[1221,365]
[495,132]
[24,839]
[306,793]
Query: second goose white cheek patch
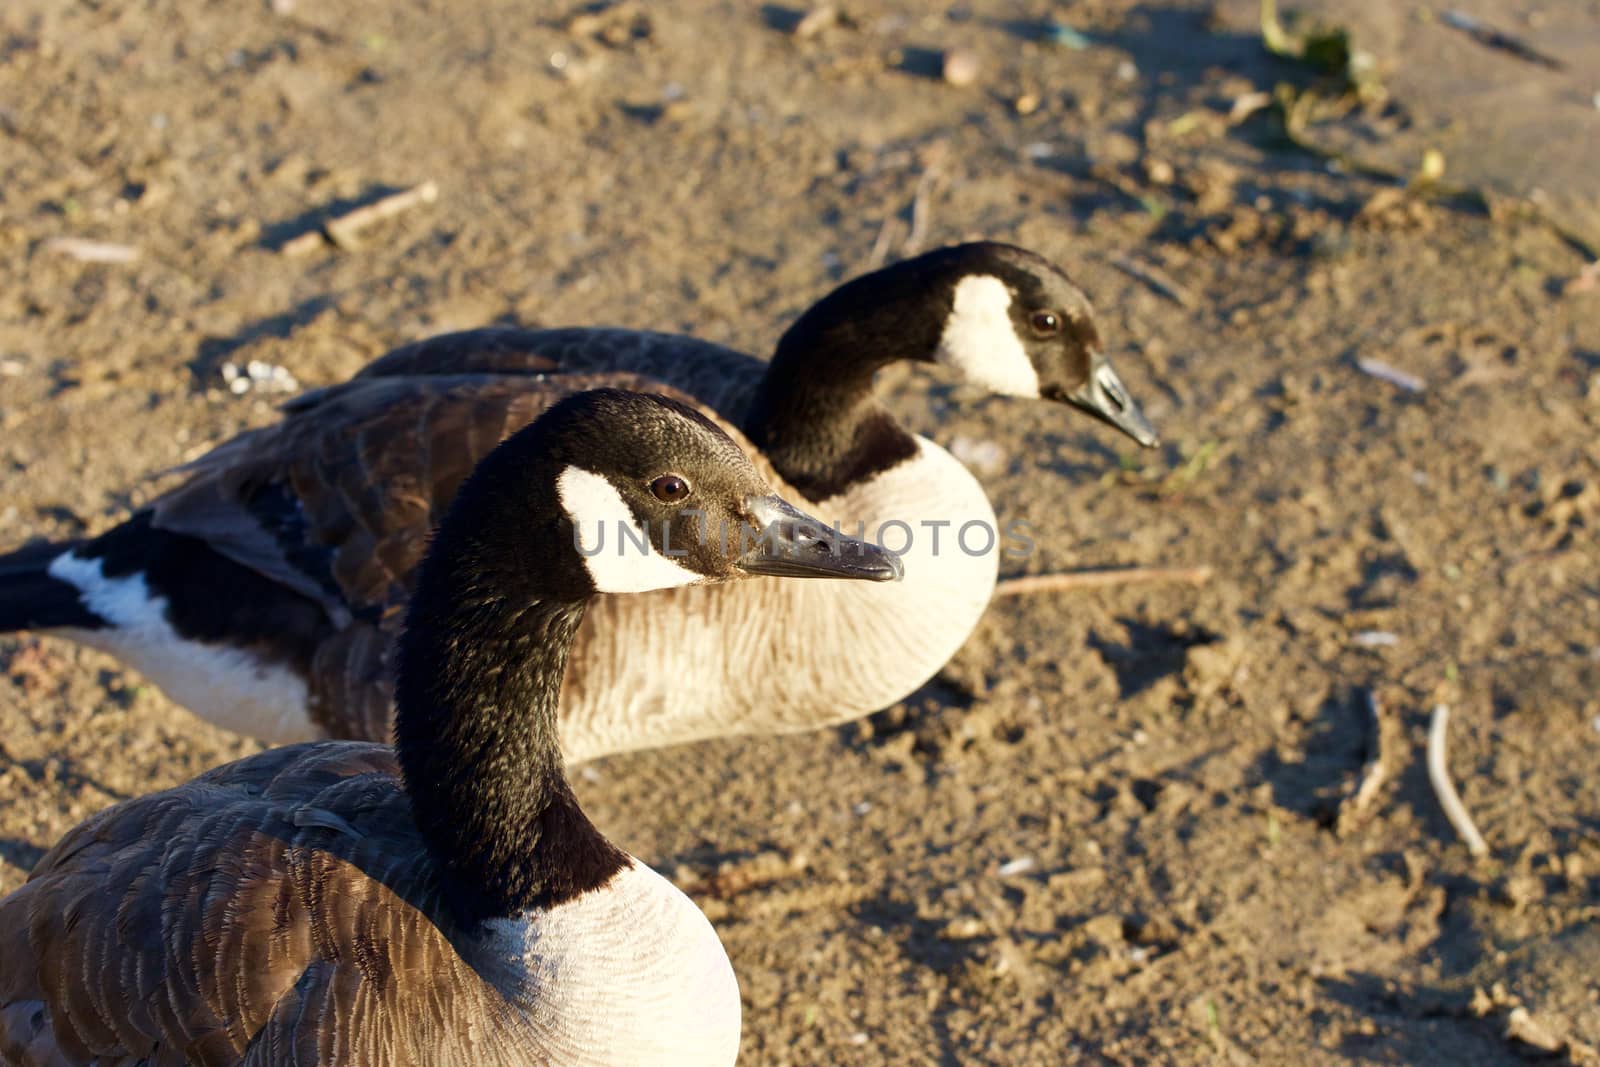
[609,538]
[981,343]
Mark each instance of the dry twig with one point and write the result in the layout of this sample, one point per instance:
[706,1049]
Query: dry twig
[1100,579]
[1376,368]
[1373,773]
[1155,278]
[1444,788]
[880,248]
[920,214]
[345,230]
[87,251]
[919,208]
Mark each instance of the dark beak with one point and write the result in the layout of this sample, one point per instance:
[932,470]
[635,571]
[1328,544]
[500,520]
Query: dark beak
[1106,398]
[788,543]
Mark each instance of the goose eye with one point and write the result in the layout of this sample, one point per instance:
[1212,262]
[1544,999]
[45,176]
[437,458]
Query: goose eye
[1045,323]
[670,489]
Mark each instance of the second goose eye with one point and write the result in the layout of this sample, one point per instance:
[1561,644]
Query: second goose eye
[670,489]
[1045,323]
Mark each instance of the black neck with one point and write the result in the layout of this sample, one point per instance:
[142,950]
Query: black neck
[479,680]
[814,415]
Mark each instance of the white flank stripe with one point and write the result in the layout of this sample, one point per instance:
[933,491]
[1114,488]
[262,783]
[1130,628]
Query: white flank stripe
[223,685]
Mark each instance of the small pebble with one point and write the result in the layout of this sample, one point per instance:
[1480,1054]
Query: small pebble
[1159,171]
[1026,104]
[1020,865]
[960,67]
[259,376]
[1375,638]
[1126,71]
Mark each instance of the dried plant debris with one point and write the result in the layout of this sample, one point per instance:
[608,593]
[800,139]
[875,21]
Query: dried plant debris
[1327,51]
[1490,37]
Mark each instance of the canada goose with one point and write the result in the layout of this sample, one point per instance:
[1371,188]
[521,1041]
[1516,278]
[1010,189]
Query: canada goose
[315,524]
[445,901]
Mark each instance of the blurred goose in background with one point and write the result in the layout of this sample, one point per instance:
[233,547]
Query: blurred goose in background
[445,901]
[313,526]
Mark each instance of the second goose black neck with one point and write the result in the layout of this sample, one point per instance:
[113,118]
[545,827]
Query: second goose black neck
[479,677]
[814,415]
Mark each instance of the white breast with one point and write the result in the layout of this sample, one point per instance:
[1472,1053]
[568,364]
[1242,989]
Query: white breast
[226,686]
[782,655]
[630,975]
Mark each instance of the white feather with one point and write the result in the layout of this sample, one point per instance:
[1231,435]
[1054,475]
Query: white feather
[235,690]
[628,975]
[774,655]
[980,341]
[617,562]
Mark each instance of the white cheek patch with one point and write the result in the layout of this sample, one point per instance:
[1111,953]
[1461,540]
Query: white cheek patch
[609,538]
[980,342]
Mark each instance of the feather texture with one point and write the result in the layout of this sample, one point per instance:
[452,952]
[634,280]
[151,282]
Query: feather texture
[368,504]
[283,909]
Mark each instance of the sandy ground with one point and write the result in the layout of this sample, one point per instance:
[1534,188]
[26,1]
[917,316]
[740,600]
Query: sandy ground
[1116,829]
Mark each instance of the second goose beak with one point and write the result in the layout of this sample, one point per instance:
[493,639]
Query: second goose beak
[1106,398]
[788,543]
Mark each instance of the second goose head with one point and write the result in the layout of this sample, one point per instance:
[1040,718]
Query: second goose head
[1018,326]
[1000,317]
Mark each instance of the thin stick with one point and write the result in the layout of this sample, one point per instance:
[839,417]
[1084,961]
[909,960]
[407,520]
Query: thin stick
[1155,278]
[919,209]
[1490,37]
[1100,579]
[1373,774]
[1382,371]
[87,251]
[1445,790]
[880,247]
[345,230]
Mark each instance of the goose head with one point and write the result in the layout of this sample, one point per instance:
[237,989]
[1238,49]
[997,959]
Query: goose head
[1018,326]
[619,492]
[532,535]
[999,317]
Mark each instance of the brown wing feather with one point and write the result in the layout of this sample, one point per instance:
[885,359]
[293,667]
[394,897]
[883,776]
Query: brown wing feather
[262,913]
[720,377]
[371,466]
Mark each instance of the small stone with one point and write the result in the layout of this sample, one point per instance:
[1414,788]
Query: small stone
[960,67]
[1104,930]
[1158,171]
[1020,865]
[1026,104]
[963,929]
[1519,890]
